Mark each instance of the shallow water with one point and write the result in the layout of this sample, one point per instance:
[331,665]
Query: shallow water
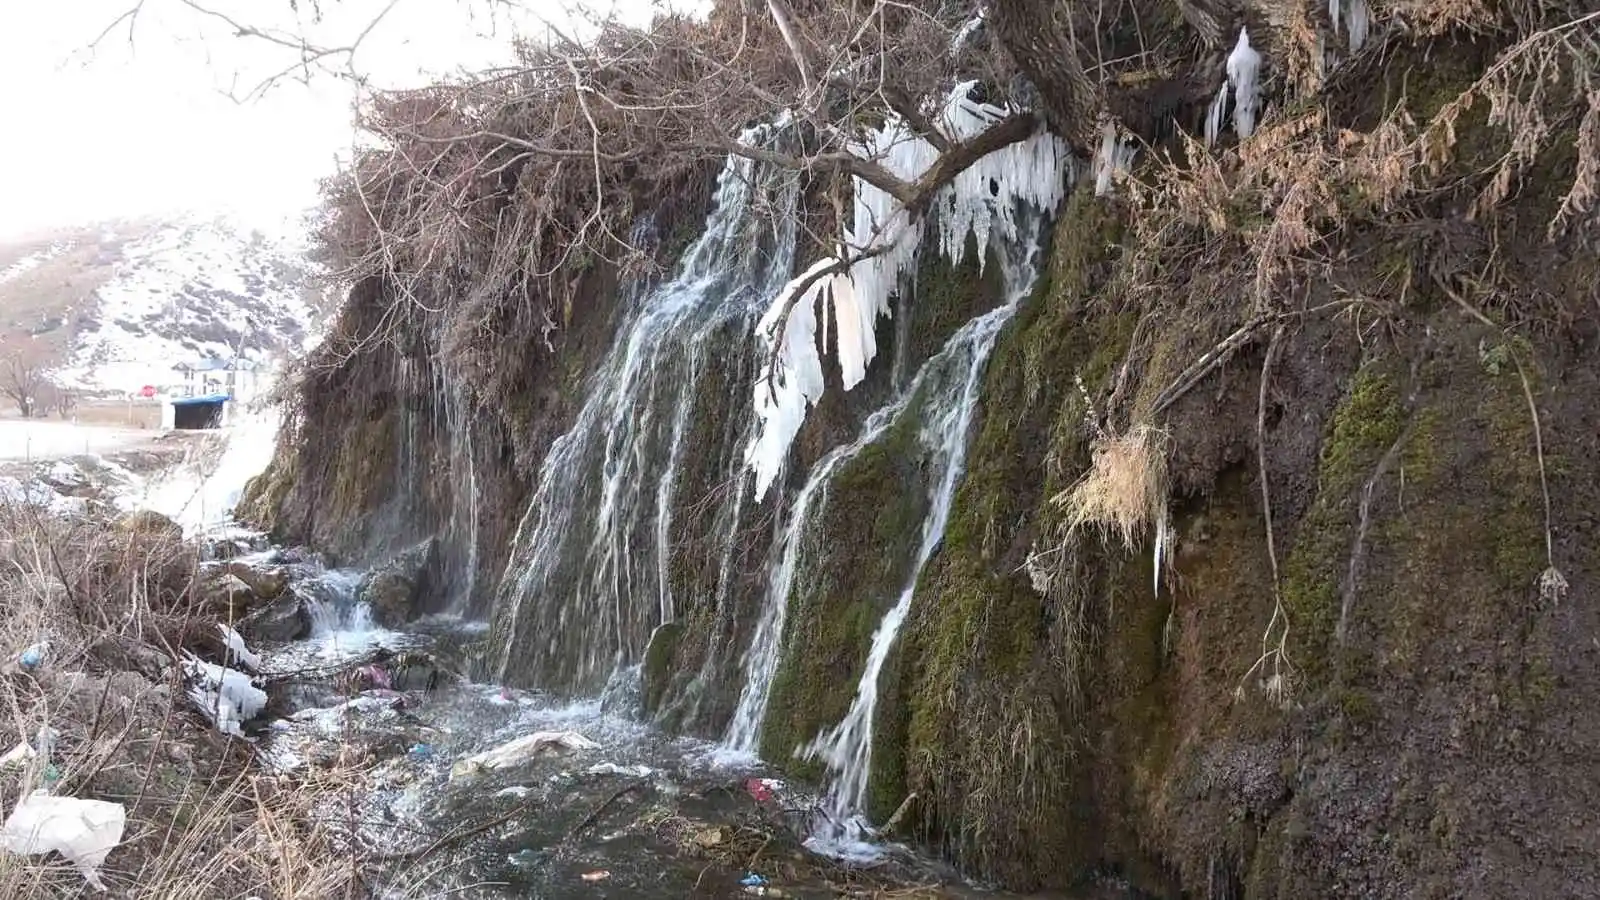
[643,815]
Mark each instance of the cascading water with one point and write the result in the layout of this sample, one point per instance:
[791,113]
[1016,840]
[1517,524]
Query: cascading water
[947,397]
[761,660]
[587,580]
[1001,197]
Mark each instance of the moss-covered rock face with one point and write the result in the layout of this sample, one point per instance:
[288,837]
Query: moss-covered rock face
[1352,706]
[855,560]
[864,531]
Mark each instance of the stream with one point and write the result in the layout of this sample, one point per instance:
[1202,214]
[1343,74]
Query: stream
[637,814]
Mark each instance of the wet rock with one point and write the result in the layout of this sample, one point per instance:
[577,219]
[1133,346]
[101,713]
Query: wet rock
[231,547]
[149,523]
[280,621]
[302,556]
[228,596]
[266,581]
[395,590]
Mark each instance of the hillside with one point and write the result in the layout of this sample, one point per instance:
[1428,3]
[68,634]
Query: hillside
[112,306]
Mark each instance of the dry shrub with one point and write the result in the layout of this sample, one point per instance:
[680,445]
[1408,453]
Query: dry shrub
[1124,493]
[116,602]
[482,201]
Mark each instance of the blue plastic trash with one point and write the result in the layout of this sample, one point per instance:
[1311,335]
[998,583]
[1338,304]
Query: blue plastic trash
[420,751]
[33,656]
[751,879]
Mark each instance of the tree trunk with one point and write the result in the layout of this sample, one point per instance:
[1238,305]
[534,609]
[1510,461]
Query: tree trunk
[1038,36]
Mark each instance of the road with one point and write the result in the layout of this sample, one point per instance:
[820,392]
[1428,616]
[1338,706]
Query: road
[38,439]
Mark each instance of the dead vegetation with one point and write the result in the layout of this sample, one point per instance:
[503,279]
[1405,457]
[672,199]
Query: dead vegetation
[116,603]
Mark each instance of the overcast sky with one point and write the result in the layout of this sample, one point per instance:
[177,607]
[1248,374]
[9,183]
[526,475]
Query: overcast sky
[147,127]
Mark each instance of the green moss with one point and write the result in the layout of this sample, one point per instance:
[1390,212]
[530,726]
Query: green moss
[1364,427]
[656,673]
[1517,534]
[866,527]
[1420,455]
[988,734]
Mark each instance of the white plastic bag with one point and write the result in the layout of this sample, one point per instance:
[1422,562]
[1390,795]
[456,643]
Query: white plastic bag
[523,748]
[83,831]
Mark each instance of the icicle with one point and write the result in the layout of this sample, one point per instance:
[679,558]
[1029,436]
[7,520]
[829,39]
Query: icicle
[1214,114]
[781,403]
[1244,69]
[1115,154]
[1163,546]
[1357,20]
[238,652]
[1355,17]
[980,202]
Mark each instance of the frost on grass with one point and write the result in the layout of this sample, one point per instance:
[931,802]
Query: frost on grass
[879,250]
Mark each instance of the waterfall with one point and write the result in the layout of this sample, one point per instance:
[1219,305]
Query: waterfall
[761,660]
[947,397]
[331,602]
[587,579]
[461,528]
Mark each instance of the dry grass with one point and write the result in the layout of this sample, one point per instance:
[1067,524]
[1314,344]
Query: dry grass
[116,604]
[1124,493]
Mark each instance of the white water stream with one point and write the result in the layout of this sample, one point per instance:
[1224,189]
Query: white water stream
[952,379]
[587,580]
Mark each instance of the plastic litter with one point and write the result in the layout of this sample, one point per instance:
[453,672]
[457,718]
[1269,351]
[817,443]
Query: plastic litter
[762,790]
[18,755]
[596,875]
[237,651]
[523,748]
[83,831]
[24,751]
[420,751]
[375,675]
[610,768]
[751,879]
[33,657]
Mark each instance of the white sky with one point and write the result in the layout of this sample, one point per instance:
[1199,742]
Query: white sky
[148,128]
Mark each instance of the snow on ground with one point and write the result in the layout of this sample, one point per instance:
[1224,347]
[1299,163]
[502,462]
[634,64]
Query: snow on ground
[200,492]
[33,261]
[190,290]
[36,439]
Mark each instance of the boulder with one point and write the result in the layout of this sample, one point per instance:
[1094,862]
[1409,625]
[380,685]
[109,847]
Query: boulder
[267,581]
[228,596]
[396,589]
[280,621]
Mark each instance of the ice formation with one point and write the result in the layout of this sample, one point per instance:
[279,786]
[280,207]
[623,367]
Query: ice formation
[1219,106]
[1244,71]
[227,697]
[1115,155]
[1355,16]
[238,652]
[881,246]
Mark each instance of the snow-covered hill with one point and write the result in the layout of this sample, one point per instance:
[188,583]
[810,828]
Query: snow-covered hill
[114,307]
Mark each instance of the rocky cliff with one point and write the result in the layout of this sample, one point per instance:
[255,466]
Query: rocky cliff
[1267,571]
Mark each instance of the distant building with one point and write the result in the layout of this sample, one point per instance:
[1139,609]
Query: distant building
[209,393]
